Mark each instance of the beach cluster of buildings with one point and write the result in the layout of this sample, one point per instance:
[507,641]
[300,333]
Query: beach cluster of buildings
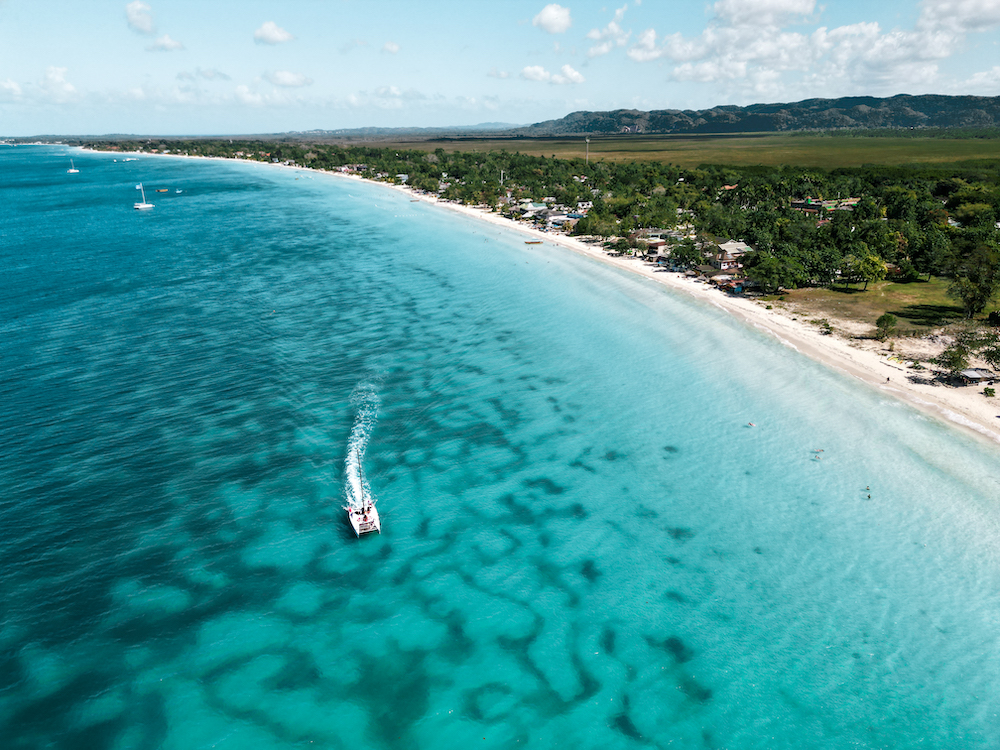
[809,205]
[821,209]
[722,260]
[724,267]
[549,213]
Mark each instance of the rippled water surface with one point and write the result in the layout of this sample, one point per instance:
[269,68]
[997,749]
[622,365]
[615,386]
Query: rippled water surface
[583,542]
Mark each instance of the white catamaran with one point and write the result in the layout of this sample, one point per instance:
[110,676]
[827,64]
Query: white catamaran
[143,206]
[72,168]
[361,511]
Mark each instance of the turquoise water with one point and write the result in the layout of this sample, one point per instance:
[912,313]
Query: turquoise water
[583,542]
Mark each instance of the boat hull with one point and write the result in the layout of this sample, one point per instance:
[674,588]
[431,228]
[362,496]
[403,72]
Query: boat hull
[364,522]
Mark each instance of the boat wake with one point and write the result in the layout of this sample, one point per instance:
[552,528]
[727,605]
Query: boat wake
[358,496]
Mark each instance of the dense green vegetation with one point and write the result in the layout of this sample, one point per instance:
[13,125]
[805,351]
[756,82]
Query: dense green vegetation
[911,222]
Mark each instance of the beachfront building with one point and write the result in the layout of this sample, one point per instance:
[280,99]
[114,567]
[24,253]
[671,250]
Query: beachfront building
[815,206]
[977,376]
[728,254]
[530,209]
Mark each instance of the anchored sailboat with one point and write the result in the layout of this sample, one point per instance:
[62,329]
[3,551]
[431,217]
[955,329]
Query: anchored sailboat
[72,168]
[143,206]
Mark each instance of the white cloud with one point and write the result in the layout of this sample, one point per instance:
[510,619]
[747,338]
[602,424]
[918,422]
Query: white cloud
[610,36]
[55,85]
[250,95]
[958,16]
[9,90]
[536,73]
[565,75]
[763,12]
[139,17]
[391,47]
[749,49]
[165,44]
[394,92]
[675,47]
[555,19]
[985,83]
[287,79]
[246,96]
[386,97]
[271,33]
[494,73]
[211,74]
[568,76]
[645,48]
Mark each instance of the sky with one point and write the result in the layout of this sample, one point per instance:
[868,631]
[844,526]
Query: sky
[217,67]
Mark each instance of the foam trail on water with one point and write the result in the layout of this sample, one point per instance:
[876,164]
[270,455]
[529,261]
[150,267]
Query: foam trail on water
[367,402]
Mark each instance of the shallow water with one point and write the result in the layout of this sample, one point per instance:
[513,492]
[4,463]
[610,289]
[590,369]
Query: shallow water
[583,542]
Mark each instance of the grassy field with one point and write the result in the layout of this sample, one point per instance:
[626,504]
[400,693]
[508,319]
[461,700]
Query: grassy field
[777,149]
[919,305]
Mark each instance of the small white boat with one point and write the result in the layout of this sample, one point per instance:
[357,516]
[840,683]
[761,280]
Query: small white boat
[143,206]
[361,511]
[364,521]
[72,168]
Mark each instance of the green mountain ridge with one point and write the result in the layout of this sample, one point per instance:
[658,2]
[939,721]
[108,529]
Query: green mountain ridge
[856,112]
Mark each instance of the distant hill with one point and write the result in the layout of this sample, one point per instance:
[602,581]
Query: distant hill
[856,112]
[376,133]
[482,130]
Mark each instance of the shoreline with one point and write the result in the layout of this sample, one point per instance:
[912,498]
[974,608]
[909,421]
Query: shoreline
[964,408]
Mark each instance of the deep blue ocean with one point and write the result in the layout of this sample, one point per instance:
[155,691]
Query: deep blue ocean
[583,544]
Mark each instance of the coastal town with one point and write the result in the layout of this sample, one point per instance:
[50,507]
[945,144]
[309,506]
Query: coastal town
[889,273]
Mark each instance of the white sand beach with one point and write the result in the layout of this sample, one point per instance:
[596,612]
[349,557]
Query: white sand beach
[865,359]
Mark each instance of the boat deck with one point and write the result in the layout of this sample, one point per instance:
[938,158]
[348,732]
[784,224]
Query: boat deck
[364,522]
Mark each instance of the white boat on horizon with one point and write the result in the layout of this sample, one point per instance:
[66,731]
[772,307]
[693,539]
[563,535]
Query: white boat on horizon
[143,206]
[361,511]
[72,168]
